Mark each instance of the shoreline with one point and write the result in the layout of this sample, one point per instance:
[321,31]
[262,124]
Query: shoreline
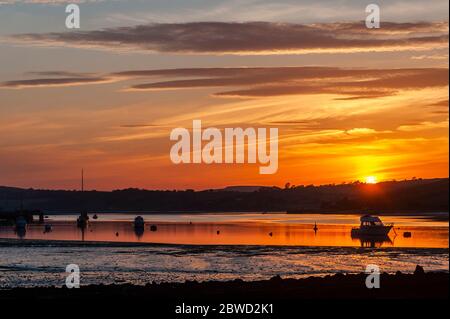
[420,285]
[14,242]
[393,212]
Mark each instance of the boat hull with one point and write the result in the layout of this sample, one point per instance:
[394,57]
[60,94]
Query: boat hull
[371,231]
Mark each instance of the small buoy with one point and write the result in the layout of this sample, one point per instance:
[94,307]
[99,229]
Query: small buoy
[407,234]
[218,232]
[95,216]
[270,234]
[315,227]
[153,228]
[117,234]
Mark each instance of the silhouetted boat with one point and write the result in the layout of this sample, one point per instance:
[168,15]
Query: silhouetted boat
[82,220]
[371,226]
[48,228]
[21,222]
[374,241]
[139,222]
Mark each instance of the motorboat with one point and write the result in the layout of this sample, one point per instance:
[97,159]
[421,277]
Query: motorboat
[21,222]
[139,222]
[371,226]
[48,228]
[21,227]
[374,241]
[139,226]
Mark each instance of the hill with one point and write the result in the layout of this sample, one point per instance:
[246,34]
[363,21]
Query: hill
[411,195]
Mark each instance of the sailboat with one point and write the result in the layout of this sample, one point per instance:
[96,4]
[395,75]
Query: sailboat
[83,219]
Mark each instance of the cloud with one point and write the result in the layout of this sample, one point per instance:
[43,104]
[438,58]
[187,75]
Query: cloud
[442,57]
[361,131]
[352,84]
[331,136]
[264,82]
[52,82]
[45,1]
[59,74]
[442,103]
[387,28]
[424,126]
[251,37]
[138,125]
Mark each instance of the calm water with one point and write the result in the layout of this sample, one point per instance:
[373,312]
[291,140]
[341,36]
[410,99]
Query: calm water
[213,247]
[238,229]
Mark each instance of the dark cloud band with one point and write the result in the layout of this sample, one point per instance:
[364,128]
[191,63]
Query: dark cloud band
[252,37]
[49,82]
[263,82]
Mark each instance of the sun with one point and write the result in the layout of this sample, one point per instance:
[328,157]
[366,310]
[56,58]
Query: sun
[371,180]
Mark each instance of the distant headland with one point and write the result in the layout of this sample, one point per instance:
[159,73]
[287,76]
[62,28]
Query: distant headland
[417,195]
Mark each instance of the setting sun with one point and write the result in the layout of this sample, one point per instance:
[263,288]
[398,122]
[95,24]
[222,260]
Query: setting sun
[371,180]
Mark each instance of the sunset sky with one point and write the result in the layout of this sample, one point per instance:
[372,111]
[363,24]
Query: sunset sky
[349,102]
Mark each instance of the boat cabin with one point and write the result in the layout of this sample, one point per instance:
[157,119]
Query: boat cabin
[370,221]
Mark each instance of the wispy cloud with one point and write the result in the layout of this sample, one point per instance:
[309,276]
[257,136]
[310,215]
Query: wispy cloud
[138,125]
[52,82]
[261,82]
[424,126]
[45,1]
[352,84]
[251,37]
[59,74]
[443,104]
